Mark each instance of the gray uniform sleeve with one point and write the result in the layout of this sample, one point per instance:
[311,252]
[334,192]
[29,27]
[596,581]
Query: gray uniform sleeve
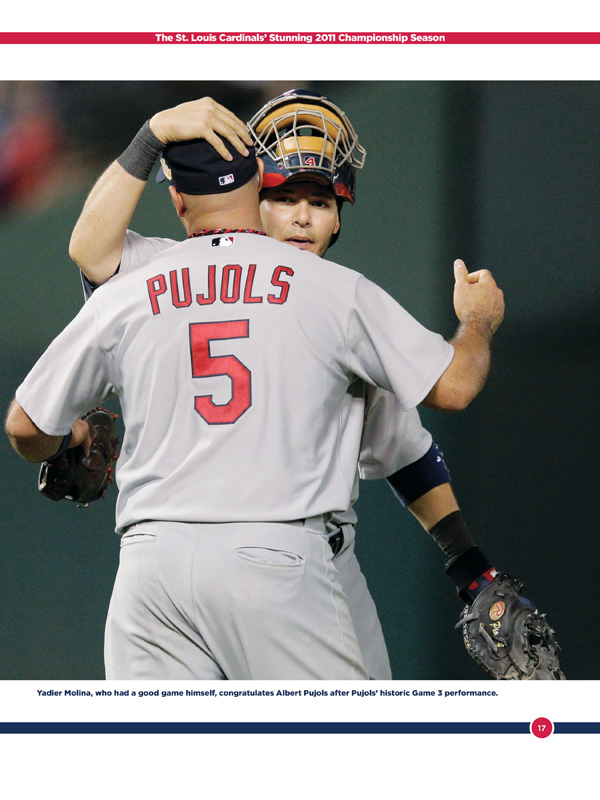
[387,347]
[136,251]
[72,376]
[392,438]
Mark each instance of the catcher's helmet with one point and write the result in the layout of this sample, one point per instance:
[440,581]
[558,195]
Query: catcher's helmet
[302,131]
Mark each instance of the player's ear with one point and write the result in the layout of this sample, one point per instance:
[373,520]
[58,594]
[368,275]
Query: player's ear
[261,172]
[337,226]
[178,201]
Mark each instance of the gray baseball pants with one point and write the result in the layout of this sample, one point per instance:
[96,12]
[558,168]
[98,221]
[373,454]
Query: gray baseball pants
[240,601]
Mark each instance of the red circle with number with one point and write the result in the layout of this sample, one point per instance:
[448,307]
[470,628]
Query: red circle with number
[541,727]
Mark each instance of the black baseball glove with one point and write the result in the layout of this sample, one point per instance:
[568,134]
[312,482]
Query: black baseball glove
[507,636]
[80,477]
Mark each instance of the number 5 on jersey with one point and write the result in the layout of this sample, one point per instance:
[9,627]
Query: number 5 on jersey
[204,365]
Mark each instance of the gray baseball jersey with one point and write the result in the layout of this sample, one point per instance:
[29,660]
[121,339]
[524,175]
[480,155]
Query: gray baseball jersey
[392,437]
[233,366]
[234,359]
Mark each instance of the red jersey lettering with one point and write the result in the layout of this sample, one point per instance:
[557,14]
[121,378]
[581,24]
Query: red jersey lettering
[202,299]
[156,287]
[187,293]
[230,289]
[283,285]
[248,297]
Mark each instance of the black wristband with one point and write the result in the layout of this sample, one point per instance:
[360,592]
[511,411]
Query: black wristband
[138,159]
[468,567]
[64,445]
[452,536]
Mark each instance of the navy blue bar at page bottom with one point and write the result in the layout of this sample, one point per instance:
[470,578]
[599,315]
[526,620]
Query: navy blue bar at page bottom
[288,727]
[264,727]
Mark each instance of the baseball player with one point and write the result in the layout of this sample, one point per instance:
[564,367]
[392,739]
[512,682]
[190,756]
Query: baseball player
[395,445]
[234,357]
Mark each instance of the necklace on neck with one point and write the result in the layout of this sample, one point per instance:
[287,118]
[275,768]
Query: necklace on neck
[217,231]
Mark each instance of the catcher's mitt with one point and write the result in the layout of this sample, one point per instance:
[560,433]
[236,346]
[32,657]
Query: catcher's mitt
[506,635]
[78,477]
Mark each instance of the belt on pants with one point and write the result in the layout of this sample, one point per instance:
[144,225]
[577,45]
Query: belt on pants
[336,540]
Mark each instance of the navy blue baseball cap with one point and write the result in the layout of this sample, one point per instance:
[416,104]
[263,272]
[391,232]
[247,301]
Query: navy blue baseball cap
[195,167]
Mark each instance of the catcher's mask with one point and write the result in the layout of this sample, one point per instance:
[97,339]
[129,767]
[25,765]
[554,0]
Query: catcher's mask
[301,132]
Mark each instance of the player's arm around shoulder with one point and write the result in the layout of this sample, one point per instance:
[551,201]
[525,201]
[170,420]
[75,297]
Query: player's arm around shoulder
[479,306]
[99,233]
[98,236]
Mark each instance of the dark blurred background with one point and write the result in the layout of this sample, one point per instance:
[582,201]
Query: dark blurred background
[502,174]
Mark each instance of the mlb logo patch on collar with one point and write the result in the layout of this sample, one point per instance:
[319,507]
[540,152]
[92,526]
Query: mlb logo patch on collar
[222,241]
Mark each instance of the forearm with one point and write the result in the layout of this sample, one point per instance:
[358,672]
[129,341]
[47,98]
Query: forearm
[472,344]
[27,439]
[434,505]
[424,488]
[99,234]
[467,373]
[465,564]
[31,443]
[479,305]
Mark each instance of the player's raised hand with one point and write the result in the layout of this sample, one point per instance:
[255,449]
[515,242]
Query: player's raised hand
[202,119]
[477,297]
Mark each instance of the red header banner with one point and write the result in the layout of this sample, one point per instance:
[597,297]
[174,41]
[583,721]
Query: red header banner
[299,38]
